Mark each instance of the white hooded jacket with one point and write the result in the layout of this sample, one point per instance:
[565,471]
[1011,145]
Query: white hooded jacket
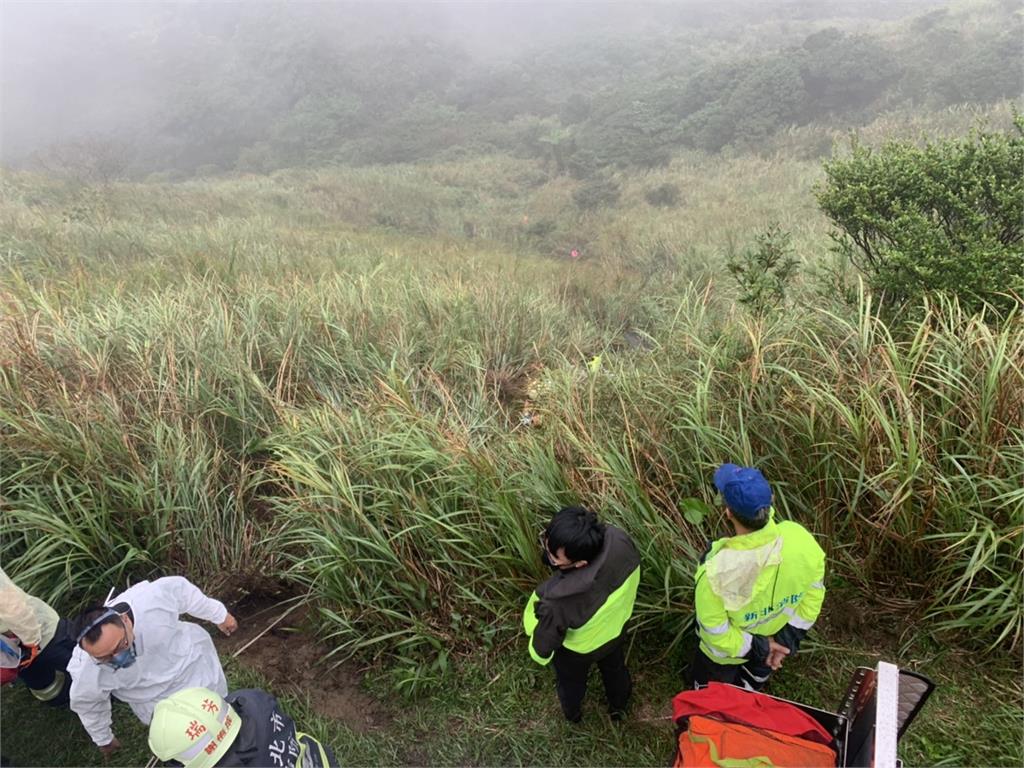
[171,655]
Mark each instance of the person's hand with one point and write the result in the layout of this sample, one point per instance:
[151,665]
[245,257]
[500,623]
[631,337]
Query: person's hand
[776,653]
[111,748]
[28,655]
[228,626]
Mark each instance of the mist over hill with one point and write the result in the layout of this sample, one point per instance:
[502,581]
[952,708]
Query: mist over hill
[216,87]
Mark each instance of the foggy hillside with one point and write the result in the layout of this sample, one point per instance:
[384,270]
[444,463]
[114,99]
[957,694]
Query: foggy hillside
[215,87]
[329,307]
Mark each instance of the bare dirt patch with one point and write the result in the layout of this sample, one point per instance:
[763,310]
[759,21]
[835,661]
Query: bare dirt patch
[291,659]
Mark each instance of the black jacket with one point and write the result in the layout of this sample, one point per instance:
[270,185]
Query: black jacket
[267,738]
[564,605]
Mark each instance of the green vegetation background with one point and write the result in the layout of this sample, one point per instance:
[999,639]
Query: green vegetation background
[372,384]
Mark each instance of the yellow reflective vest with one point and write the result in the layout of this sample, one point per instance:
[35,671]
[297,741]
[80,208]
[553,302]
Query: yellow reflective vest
[756,584]
[585,608]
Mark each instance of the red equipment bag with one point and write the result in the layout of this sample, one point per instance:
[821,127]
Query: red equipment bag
[758,710]
[710,743]
[725,726]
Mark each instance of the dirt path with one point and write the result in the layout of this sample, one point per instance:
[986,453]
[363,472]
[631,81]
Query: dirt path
[289,657]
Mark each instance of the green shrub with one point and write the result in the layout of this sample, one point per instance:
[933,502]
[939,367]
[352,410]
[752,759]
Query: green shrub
[944,218]
[764,272]
[599,192]
[541,228]
[663,196]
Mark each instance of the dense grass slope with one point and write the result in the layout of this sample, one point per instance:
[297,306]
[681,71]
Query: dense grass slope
[260,380]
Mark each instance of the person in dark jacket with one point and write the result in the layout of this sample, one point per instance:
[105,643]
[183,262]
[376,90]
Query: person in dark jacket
[197,728]
[576,618]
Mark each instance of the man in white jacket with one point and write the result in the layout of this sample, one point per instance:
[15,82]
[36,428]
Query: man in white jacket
[137,649]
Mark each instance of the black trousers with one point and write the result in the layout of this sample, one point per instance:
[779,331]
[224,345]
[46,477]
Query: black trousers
[53,659]
[572,669]
[752,675]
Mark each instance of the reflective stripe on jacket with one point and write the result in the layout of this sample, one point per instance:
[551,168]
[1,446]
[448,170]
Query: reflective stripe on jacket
[585,608]
[756,584]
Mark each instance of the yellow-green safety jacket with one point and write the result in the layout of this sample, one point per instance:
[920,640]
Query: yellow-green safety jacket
[585,608]
[756,584]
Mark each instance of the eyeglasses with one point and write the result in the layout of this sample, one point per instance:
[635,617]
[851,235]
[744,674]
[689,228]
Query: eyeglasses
[121,646]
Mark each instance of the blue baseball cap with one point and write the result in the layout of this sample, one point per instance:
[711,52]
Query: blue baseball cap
[744,489]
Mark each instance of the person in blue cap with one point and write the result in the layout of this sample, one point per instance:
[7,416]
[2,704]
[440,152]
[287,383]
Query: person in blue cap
[758,591]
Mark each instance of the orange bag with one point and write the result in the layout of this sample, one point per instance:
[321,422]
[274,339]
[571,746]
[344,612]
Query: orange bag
[711,743]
